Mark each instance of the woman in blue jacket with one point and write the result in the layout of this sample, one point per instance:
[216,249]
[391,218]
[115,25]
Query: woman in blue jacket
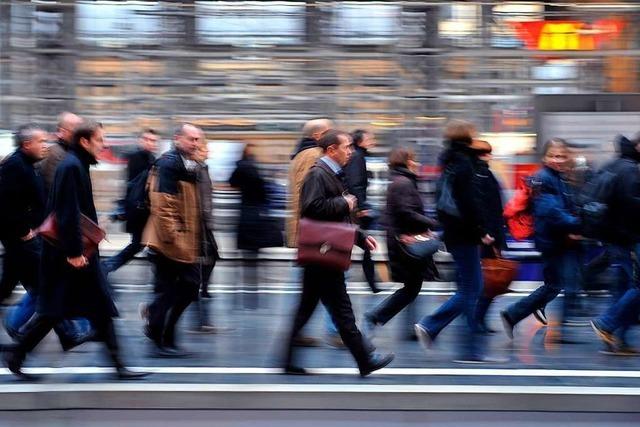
[556,231]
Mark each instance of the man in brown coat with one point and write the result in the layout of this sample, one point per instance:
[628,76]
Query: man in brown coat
[67,123]
[306,155]
[174,234]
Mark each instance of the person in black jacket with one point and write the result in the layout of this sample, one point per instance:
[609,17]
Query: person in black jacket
[357,183]
[622,239]
[462,235]
[23,198]
[322,199]
[404,215]
[73,284]
[139,161]
[491,195]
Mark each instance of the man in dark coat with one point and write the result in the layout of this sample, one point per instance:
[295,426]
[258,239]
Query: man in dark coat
[73,284]
[622,239]
[322,199]
[357,183]
[139,161]
[174,235]
[23,201]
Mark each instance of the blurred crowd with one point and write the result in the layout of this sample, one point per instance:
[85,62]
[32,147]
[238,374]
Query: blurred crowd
[50,234]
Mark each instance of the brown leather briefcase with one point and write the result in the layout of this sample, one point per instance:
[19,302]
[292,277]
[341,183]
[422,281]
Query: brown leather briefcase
[326,244]
[92,234]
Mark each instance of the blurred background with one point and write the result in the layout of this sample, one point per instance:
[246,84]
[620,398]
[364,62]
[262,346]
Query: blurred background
[255,71]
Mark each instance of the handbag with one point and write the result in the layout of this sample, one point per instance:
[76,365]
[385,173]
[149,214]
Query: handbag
[446,202]
[498,273]
[91,232]
[326,244]
[419,247]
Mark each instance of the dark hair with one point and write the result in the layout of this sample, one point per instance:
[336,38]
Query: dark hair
[400,156]
[332,137]
[85,130]
[553,142]
[25,133]
[151,131]
[358,135]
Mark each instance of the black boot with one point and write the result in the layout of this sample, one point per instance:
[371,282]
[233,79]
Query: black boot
[13,359]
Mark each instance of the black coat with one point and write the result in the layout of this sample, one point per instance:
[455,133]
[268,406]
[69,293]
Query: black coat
[404,214]
[66,291]
[22,196]
[623,227]
[252,226]
[491,196]
[357,178]
[469,227]
[139,161]
[321,198]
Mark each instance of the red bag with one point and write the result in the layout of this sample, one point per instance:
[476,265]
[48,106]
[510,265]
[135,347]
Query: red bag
[92,234]
[517,212]
[498,273]
[327,244]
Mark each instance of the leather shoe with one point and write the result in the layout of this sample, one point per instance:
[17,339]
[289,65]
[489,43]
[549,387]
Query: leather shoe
[169,352]
[304,341]
[126,374]
[294,370]
[375,362]
[13,361]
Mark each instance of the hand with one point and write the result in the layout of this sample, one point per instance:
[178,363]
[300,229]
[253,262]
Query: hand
[576,237]
[371,243]
[487,240]
[29,236]
[364,212]
[78,261]
[352,201]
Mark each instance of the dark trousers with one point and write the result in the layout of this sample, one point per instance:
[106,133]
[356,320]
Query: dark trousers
[176,287]
[125,255]
[400,299]
[202,305]
[39,326]
[21,264]
[320,284]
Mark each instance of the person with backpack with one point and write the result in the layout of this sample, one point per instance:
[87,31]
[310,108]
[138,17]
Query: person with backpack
[557,227]
[620,231]
[460,211]
[138,166]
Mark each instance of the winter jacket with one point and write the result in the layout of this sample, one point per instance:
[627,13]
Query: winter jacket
[306,155]
[65,291]
[491,196]
[404,214]
[357,178]
[22,196]
[174,225]
[623,227]
[55,154]
[209,249]
[469,228]
[553,211]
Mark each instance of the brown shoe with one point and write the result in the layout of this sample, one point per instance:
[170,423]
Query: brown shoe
[304,341]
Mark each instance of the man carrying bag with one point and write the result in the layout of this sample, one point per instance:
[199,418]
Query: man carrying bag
[322,199]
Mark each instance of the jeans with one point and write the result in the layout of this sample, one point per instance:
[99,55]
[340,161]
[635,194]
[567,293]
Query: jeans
[201,316]
[625,307]
[125,255]
[469,281]
[560,272]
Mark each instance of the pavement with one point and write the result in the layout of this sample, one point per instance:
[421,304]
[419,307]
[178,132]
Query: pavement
[237,369]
